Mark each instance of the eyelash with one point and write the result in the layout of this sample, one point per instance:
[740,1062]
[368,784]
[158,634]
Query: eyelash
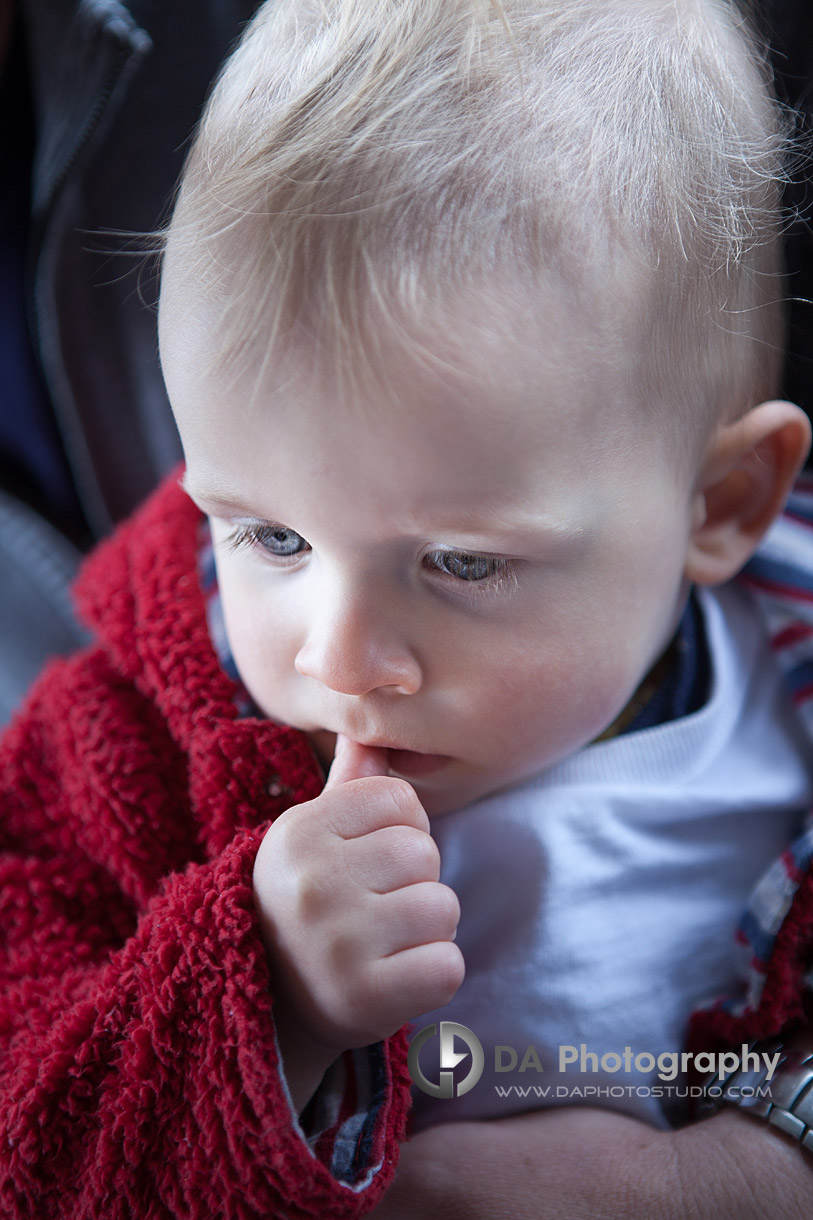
[495,572]
[260,535]
[492,572]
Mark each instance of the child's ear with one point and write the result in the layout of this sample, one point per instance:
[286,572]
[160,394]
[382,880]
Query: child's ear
[747,471]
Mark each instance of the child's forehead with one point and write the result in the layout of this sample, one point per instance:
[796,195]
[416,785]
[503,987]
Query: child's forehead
[489,365]
[503,331]
[491,382]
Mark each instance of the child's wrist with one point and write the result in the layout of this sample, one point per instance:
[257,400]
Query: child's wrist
[303,1059]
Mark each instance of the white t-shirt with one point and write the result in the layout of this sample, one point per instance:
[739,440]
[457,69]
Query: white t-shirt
[600,899]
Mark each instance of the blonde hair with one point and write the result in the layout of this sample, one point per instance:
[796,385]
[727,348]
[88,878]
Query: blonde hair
[360,159]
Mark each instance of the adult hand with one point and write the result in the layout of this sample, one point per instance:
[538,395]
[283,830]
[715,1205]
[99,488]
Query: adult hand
[585,1164]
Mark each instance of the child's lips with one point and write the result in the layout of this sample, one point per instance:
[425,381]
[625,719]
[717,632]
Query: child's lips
[407,762]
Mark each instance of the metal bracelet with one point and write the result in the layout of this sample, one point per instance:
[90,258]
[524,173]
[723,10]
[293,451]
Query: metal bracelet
[785,1102]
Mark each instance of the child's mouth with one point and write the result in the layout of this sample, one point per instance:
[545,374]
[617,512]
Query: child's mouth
[402,762]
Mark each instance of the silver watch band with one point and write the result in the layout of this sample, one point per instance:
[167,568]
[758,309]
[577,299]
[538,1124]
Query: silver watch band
[786,1101]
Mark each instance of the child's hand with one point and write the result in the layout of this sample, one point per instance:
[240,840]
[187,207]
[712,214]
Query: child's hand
[357,927]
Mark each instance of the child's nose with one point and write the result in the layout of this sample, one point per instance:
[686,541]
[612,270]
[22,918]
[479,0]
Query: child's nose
[354,646]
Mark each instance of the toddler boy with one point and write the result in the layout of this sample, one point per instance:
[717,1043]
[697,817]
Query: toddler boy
[470,322]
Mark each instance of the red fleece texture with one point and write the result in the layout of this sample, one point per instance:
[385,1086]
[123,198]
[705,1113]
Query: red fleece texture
[138,1073]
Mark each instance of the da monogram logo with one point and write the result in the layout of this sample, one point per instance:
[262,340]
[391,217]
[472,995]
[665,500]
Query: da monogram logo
[449,1058]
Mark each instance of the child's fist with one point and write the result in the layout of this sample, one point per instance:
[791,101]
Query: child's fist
[357,926]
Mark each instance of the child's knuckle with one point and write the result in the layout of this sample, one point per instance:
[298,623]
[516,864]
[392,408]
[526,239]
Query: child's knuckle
[403,798]
[419,850]
[449,970]
[446,907]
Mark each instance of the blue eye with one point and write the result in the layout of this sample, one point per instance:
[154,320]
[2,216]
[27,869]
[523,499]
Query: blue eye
[276,540]
[467,567]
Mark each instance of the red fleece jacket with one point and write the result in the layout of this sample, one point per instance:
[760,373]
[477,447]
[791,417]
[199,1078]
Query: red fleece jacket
[138,1069]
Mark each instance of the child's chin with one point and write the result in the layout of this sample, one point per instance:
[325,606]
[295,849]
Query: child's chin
[446,790]
[416,766]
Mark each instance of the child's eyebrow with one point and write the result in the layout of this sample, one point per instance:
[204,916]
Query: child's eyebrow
[216,497]
[216,503]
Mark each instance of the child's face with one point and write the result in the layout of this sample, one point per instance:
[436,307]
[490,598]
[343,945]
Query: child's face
[474,570]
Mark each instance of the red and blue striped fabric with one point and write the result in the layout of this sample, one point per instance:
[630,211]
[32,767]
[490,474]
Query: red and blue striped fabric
[780,576]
